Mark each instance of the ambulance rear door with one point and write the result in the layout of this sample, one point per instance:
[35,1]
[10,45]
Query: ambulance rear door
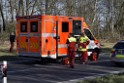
[22,38]
[34,38]
[48,38]
[28,40]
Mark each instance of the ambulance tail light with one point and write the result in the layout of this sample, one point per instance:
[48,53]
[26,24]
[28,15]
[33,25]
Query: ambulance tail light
[96,41]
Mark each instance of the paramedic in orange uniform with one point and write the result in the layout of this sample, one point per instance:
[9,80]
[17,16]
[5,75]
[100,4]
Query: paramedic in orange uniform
[12,40]
[82,48]
[71,42]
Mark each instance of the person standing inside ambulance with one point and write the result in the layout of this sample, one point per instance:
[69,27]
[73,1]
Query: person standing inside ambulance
[12,40]
[71,42]
[82,48]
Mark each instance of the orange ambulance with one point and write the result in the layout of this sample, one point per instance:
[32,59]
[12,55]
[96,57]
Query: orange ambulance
[45,36]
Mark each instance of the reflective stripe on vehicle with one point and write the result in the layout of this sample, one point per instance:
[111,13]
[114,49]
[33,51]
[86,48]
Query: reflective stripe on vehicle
[23,45]
[62,54]
[30,54]
[62,46]
[34,45]
[31,34]
[50,56]
[119,56]
[48,34]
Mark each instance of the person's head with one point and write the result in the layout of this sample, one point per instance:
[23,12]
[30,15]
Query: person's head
[12,33]
[70,35]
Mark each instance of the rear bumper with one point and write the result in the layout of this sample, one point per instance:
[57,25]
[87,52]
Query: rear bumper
[36,55]
[29,54]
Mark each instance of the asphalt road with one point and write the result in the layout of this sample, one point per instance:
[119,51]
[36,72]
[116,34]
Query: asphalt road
[30,71]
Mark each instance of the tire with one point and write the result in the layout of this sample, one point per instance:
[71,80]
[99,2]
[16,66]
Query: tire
[44,61]
[119,64]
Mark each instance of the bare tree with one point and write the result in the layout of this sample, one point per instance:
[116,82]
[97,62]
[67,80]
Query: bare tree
[2,15]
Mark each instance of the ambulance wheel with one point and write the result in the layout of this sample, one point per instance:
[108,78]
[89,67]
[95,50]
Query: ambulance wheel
[59,60]
[43,61]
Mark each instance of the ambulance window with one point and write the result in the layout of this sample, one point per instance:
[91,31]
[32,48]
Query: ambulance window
[34,27]
[65,26]
[89,35]
[76,27]
[23,27]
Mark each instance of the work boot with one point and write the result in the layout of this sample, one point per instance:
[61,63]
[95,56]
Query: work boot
[71,66]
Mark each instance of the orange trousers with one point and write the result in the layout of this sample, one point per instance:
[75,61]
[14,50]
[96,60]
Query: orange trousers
[84,56]
[71,58]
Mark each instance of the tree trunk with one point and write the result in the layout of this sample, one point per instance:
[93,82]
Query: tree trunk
[11,11]
[1,11]
[33,7]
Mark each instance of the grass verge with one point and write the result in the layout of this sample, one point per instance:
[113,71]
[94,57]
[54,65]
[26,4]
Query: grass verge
[106,79]
[5,54]
[106,47]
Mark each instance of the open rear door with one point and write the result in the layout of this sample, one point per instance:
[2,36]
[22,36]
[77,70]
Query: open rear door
[64,28]
[48,40]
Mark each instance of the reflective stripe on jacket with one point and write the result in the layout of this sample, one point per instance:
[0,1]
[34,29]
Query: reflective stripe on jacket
[82,47]
[83,39]
[83,43]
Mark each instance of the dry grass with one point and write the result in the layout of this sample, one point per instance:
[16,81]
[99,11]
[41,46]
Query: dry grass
[4,49]
[106,46]
[4,52]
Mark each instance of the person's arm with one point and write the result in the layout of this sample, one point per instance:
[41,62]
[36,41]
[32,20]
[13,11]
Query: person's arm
[87,40]
[67,42]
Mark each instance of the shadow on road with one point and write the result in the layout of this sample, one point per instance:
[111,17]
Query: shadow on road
[106,64]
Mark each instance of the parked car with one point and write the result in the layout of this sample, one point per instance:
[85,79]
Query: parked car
[117,53]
